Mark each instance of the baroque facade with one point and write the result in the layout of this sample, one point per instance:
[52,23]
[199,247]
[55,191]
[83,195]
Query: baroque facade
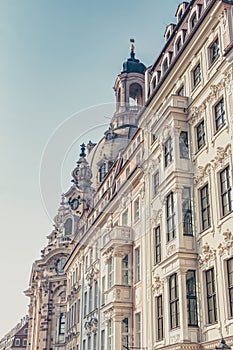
[141,255]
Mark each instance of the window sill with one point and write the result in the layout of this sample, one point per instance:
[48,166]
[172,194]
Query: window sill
[218,132]
[225,218]
[203,233]
[199,151]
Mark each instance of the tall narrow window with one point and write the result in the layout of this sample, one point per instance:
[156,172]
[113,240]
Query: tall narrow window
[226,193]
[95,341]
[187,211]
[191,297]
[205,207]
[230,284]
[184,146]
[178,45]
[110,334]
[62,323]
[159,307]
[193,21]
[165,66]
[200,133]
[156,183]
[125,218]
[196,75]
[78,318]
[84,344]
[157,245]
[102,171]
[174,302]
[90,298]
[136,209]
[96,290]
[168,151]
[68,227]
[211,296]
[103,339]
[85,304]
[125,332]
[89,343]
[110,272]
[170,214]
[103,290]
[138,330]
[219,112]
[214,51]
[125,270]
[137,265]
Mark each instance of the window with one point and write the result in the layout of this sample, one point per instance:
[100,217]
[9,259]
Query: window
[103,290]
[125,218]
[85,304]
[89,343]
[156,183]
[230,284]
[187,211]
[219,113]
[125,270]
[90,298]
[180,92]
[68,227]
[184,147]
[191,297]
[196,75]
[157,245]
[200,133]
[226,194]
[178,45]
[170,214]
[136,209]
[168,151]
[25,331]
[25,342]
[214,51]
[127,172]
[78,318]
[137,265]
[102,171]
[84,344]
[62,323]
[174,302]
[165,66]
[193,20]
[205,207]
[211,296]
[103,340]
[110,334]
[138,330]
[17,341]
[125,332]
[159,313]
[96,295]
[110,272]
[95,341]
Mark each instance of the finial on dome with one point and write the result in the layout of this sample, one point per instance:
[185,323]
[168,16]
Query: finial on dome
[83,148]
[132,47]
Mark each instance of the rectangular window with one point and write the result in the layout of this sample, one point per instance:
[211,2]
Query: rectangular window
[226,194]
[200,134]
[103,290]
[17,341]
[168,151]
[159,307]
[187,211]
[184,145]
[156,183]
[230,284]
[110,273]
[89,343]
[174,302]
[125,218]
[138,330]
[157,245]
[137,265]
[103,340]
[196,75]
[90,298]
[96,295]
[125,270]
[110,334]
[85,304]
[214,51]
[136,209]
[205,207]
[219,112]
[95,341]
[78,320]
[125,333]
[211,296]
[170,215]
[84,344]
[191,298]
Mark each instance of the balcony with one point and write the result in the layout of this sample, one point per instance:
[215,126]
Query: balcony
[120,235]
[119,294]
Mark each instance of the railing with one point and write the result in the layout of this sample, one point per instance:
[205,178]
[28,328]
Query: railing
[118,233]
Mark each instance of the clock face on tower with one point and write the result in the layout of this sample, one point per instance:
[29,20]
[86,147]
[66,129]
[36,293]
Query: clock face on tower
[60,265]
[74,203]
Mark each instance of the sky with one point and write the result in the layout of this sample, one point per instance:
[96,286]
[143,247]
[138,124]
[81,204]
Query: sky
[58,63]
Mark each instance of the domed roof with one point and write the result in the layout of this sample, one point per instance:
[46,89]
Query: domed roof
[133,65]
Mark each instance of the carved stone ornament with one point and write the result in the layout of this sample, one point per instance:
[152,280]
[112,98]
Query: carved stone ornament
[202,172]
[171,249]
[108,255]
[227,245]
[157,284]
[221,155]
[197,113]
[208,255]
[156,216]
[108,315]
[90,277]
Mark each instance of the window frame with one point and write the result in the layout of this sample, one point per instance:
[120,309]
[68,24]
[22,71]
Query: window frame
[196,75]
[174,302]
[155,183]
[168,151]
[225,193]
[219,118]
[200,134]
[187,208]
[159,320]
[158,246]
[170,217]
[211,299]
[184,145]
[137,271]
[230,286]
[205,208]
[213,53]
[191,299]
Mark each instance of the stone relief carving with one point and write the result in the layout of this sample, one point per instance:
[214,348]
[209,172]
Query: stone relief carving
[157,285]
[227,245]
[201,173]
[221,155]
[208,255]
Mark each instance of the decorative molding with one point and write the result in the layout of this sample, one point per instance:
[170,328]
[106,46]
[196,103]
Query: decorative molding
[227,245]
[202,172]
[171,249]
[221,155]
[208,255]
[157,285]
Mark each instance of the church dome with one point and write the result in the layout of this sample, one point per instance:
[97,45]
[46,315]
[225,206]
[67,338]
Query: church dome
[133,65]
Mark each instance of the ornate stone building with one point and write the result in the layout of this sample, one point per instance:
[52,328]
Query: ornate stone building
[141,256]
[16,339]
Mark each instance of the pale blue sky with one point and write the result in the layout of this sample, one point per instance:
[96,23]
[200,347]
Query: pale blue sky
[56,58]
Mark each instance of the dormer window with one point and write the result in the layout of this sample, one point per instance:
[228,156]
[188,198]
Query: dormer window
[165,66]
[180,14]
[168,35]
[178,45]
[154,83]
[193,20]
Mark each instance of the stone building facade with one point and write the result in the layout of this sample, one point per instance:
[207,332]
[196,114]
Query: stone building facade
[16,339]
[141,256]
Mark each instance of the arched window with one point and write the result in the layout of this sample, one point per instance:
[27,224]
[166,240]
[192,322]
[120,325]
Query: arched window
[68,227]
[135,95]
